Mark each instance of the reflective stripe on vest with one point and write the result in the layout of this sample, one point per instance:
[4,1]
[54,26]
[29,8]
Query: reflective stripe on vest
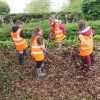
[84,42]
[37,52]
[20,43]
[59,35]
[83,48]
[58,31]
[17,39]
[36,47]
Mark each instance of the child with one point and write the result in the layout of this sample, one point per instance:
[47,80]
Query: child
[38,50]
[62,27]
[86,38]
[59,35]
[19,39]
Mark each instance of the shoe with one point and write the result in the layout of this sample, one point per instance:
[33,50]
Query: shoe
[23,63]
[42,65]
[87,65]
[21,58]
[40,73]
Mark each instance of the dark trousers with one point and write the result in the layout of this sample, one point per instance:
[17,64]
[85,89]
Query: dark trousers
[39,64]
[21,56]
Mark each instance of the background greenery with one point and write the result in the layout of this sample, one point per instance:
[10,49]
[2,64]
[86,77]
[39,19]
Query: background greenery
[72,29]
[4,7]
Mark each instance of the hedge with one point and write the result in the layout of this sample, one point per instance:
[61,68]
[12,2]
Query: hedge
[44,24]
[28,17]
[91,9]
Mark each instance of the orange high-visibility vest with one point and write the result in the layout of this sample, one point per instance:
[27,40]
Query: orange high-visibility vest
[59,33]
[36,51]
[86,46]
[20,42]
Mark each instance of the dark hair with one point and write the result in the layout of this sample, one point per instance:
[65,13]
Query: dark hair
[15,28]
[81,25]
[18,22]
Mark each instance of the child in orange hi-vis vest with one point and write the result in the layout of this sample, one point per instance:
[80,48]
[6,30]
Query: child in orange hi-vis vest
[38,50]
[86,42]
[19,40]
[57,31]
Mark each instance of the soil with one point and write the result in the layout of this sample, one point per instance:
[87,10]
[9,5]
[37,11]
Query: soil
[65,77]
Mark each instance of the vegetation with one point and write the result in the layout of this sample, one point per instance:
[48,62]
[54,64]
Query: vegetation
[91,9]
[41,16]
[64,73]
[72,29]
[66,79]
[4,7]
[38,6]
[74,6]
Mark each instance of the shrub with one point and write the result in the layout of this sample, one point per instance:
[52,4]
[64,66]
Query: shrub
[4,7]
[91,9]
[42,16]
[28,29]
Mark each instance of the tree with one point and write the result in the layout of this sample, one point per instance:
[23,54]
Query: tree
[38,6]
[91,9]
[74,6]
[4,7]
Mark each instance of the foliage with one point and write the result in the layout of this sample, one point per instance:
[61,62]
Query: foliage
[72,29]
[75,16]
[5,32]
[74,6]
[4,7]
[38,6]
[97,38]
[91,9]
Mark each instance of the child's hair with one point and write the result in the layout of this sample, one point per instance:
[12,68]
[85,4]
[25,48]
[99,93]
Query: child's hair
[35,32]
[81,25]
[19,22]
[15,28]
[50,19]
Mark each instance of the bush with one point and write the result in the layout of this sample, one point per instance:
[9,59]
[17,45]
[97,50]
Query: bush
[28,29]
[4,7]
[5,32]
[91,9]
[42,16]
